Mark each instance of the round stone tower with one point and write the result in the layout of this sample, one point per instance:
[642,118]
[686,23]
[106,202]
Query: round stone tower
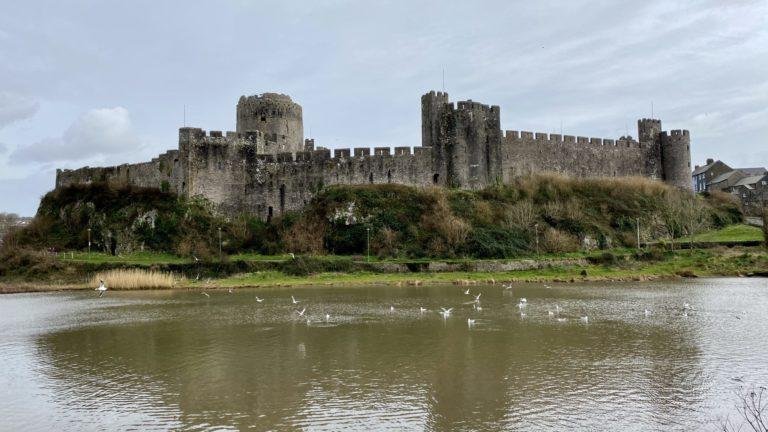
[676,158]
[277,117]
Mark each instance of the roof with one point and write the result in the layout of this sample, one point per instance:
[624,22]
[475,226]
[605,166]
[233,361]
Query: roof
[753,171]
[703,169]
[747,181]
[723,177]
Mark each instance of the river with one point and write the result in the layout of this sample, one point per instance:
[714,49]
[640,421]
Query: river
[159,360]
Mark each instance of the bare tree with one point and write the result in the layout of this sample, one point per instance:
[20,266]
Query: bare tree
[752,410]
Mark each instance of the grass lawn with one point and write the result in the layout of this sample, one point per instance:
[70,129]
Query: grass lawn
[731,233]
[146,258]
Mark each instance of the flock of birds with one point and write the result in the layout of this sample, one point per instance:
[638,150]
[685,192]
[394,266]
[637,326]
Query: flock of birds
[446,312]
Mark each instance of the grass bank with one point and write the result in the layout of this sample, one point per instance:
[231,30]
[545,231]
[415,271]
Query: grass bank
[614,265]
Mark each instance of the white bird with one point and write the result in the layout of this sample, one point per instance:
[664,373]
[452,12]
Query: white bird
[391,308]
[523,300]
[259,299]
[686,306]
[547,286]
[557,309]
[647,312]
[550,313]
[477,297]
[206,294]
[293,300]
[422,309]
[102,288]
[467,291]
[562,320]
[196,258]
[520,305]
[197,278]
[327,317]
[301,312]
[478,307]
[230,290]
[446,312]
[292,255]
[507,287]
[585,319]
[470,322]
[523,314]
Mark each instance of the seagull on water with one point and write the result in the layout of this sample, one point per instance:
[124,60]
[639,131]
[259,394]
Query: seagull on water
[562,320]
[102,288]
[391,308]
[470,322]
[585,319]
[422,309]
[301,312]
[327,317]
[293,300]
[446,312]
[550,313]
[205,294]
[230,291]
[507,287]
[647,312]
[523,300]
[259,299]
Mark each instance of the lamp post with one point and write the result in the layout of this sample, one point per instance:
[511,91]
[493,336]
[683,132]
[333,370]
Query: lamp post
[638,233]
[219,243]
[89,241]
[368,243]
[536,230]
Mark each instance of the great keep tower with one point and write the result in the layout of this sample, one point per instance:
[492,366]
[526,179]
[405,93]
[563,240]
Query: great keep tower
[277,117]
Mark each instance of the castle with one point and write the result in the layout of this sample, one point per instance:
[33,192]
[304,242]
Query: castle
[266,167]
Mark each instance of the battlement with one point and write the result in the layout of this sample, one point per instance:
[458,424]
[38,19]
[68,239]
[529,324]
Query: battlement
[341,153]
[381,151]
[543,137]
[362,151]
[402,151]
[676,132]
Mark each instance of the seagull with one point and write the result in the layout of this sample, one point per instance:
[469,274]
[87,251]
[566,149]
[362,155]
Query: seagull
[327,317]
[205,294]
[102,288]
[550,313]
[477,297]
[301,312]
[196,258]
[259,299]
[391,308]
[523,300]
[467,291]
[647,312]
[562,320]
[470,322]
[230,290]
[547,286]
[686,306]
[292,255]
[507,287]
[293,300]
[585,319]
[422,309]
[446,312]
[521,305]
[197,278]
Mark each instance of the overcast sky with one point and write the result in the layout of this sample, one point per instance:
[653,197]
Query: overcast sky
[106,82]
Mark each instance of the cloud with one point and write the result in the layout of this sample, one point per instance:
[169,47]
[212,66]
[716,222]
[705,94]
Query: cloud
[3,148]
[98,132]
[15,107]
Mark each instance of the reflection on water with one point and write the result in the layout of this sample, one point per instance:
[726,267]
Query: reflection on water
[180,360]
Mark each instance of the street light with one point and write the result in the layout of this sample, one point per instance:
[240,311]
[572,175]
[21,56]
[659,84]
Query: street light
[89,241]
[536,229]
[368,243]
[219,243]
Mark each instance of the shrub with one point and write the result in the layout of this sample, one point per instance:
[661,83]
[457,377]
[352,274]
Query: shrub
[124,279]
[556,241]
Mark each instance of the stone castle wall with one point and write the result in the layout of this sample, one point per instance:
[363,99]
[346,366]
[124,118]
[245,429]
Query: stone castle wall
[250,171]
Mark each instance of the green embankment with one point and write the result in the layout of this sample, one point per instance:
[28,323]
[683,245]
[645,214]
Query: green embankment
[729,234]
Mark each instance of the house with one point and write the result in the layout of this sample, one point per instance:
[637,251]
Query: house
[703,175]
[725,181]
[752,192]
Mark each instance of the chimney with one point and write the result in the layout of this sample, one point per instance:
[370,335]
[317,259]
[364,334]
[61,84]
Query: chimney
[710,161]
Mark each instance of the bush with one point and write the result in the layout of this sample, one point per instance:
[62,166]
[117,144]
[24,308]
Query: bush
[304,266]
[496,242]
[606,258]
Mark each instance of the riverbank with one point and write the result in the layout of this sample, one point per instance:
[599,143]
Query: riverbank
[75,272]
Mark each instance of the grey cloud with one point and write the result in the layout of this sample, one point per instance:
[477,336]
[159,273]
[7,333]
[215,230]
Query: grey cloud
[15,107]
[98,132]
[3,148]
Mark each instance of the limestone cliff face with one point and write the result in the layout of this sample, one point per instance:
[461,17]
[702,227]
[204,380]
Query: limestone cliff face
[266,167]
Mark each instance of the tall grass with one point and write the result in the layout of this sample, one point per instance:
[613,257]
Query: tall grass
[127,279]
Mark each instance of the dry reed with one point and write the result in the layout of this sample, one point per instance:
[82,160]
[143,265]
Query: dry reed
[127,279]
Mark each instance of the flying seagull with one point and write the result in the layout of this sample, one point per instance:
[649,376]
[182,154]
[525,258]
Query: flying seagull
[301,312]
[259,299]
[206,294]
[293,300]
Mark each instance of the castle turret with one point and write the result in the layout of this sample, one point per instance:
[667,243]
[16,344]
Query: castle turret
[676,158]
[277,117]
[465,141]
